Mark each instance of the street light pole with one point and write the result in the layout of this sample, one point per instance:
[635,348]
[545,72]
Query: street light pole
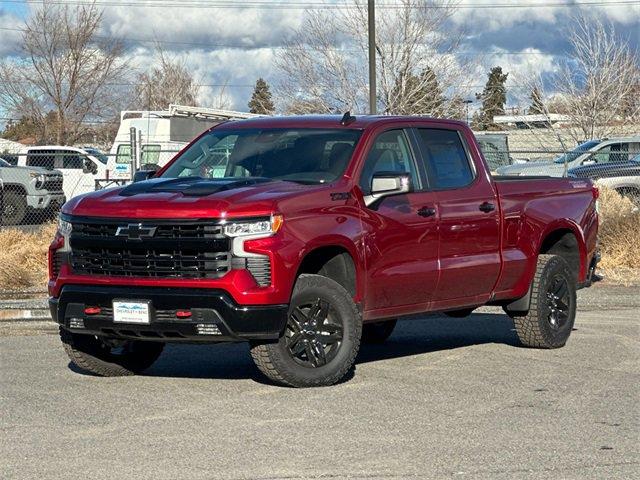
[371,11]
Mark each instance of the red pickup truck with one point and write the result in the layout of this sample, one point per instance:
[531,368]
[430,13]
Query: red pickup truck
[307,235]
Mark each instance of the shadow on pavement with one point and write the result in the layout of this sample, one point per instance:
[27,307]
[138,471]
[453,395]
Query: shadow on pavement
[410,337]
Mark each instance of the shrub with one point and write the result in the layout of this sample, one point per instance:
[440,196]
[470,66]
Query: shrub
[23,257]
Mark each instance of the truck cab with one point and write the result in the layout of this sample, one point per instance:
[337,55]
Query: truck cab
[80,167]
[306,236]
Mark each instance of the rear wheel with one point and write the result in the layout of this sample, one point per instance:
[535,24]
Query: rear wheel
[15,208]
[377,332]
[109,358]
[321,338]
[552,312]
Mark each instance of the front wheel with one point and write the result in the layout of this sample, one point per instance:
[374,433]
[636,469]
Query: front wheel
[109,357]
[321,338]
[552,312]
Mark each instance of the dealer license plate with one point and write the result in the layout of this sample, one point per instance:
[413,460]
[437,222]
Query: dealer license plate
[127,311]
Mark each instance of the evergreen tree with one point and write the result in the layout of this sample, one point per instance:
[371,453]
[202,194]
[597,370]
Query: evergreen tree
[494,97]
[261,101]
[537,105]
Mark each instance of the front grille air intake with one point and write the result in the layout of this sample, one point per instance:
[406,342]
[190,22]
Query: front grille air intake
[260,268]
[166,249]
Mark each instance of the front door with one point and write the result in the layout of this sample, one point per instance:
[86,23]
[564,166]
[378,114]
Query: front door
[400,234]
[468,215]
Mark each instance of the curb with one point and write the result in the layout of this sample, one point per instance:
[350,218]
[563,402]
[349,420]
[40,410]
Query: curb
[24,310]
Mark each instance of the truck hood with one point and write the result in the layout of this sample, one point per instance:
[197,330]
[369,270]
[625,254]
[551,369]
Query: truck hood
[42,170]
[187,198]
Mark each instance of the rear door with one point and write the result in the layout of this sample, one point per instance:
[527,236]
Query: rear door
[469,218]
[400,233]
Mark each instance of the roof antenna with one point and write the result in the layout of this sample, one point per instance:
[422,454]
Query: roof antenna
[347,118]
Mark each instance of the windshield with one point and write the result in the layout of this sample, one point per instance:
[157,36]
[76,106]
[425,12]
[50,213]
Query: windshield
[308,156]
[98,154]
[576,152]
[636,158]
[4,164]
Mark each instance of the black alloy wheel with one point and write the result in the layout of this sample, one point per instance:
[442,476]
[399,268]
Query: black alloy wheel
[313,334]
[558,301]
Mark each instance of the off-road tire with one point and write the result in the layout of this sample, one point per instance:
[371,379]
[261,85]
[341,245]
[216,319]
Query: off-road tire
[277,363]
[14,208]
[535,328]
[87,353]
[377,332]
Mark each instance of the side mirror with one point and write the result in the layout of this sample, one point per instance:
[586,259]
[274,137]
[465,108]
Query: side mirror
[590,161]
[89,167]
[385,184]
[142,175]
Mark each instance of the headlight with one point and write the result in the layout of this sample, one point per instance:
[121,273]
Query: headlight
[257,228]
[64,227]
[39,179]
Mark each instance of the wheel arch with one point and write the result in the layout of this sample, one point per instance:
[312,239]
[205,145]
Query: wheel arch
[565,238]
[334,260]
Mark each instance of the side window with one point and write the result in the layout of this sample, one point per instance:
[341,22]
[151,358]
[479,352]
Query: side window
[389,153]
[445,158]
[41,158]
[149,154]
[123,154]
[71,159]
[612,153]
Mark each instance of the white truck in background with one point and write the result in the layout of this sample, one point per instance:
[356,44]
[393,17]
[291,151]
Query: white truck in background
[159,135]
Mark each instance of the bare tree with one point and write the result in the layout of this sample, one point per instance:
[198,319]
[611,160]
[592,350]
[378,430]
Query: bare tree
[171,82]
[597,86]
[66,68]
[325,64]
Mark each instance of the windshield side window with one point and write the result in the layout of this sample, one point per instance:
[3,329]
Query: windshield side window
[150,154]
[389,153]
[445,158]
[612,153]
[41,158]
[123,154]
[71,159]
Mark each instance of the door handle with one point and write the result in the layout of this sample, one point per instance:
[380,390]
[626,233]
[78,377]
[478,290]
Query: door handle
[427,212]
[487,207]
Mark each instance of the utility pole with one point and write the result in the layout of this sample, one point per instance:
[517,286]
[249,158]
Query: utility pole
[371,10]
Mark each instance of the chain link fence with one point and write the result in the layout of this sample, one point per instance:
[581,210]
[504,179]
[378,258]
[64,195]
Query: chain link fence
[35,184]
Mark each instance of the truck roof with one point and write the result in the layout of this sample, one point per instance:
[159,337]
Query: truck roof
[331,121]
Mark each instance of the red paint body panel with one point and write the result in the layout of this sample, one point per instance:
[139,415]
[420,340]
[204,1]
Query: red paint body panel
[404,263]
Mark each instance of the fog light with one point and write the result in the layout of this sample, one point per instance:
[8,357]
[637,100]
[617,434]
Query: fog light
[76,322]
[208,329]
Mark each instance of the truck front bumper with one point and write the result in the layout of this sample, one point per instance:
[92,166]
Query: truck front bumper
[46,200]
[214,316]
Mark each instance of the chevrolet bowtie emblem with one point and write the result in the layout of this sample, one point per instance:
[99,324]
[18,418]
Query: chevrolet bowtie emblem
[136,231]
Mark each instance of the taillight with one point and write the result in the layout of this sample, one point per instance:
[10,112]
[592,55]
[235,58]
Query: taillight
[595,191]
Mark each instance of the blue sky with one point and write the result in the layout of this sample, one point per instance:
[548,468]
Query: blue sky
[237,45]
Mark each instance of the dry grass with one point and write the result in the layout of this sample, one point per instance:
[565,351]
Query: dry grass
[619,236]
[23,257]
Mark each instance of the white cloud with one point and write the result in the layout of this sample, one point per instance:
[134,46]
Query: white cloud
[11,38]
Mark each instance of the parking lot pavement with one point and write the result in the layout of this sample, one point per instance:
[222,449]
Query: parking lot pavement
[444,398]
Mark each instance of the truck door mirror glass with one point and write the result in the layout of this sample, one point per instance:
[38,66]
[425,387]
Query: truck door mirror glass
[89,167]
[142,175]
[385,184]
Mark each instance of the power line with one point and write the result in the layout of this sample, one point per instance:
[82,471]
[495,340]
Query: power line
[310,5]
[281,47]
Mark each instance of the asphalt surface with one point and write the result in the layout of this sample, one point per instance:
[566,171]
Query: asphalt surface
[443,398]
